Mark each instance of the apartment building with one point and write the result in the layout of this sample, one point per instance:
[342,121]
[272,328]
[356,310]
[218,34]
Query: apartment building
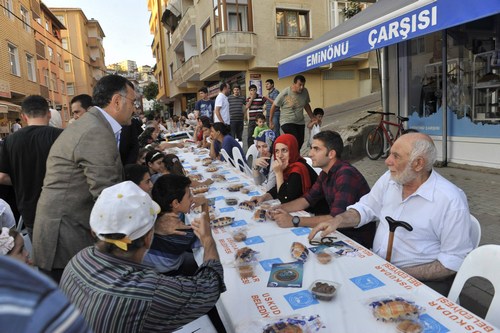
[84,59]
[241,41]
[49,61]
[18,76]
[158,47]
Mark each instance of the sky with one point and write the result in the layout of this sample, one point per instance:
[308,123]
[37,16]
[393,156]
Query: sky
[125,24]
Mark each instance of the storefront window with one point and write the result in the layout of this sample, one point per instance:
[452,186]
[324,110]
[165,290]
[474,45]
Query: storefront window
[472,72]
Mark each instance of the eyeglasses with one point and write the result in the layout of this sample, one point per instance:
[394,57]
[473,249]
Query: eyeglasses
[136,103]
[328,241]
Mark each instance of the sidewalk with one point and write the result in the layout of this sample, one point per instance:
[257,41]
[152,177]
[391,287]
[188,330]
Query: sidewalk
[482,187]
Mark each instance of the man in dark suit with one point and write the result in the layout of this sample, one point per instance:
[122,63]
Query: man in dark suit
[83,161]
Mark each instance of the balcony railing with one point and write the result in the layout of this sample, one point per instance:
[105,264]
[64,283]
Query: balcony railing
[189,71]
[234,45]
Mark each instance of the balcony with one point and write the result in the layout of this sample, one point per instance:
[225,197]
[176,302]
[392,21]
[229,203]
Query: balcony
[94,42]
[189,71]
[234,45]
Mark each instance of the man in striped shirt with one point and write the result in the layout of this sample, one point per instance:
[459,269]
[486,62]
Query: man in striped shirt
[255,106]
[113,289]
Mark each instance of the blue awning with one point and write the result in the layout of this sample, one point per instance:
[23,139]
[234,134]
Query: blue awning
[385,23]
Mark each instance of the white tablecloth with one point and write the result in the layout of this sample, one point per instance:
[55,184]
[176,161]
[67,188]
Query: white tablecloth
[249,304]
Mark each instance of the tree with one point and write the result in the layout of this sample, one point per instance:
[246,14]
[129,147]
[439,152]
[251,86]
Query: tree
[151,91]
[351,9]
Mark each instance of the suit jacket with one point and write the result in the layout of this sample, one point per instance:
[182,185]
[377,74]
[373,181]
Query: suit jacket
[129,142]
[82,162]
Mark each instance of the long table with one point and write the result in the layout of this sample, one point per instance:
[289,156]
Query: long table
[362,277]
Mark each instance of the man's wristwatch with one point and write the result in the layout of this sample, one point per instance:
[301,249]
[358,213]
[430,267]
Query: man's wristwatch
[295,221]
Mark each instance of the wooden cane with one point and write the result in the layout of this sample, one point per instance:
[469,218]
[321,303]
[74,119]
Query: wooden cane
[393,224]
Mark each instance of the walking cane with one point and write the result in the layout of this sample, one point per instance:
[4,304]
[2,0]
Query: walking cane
[393,224]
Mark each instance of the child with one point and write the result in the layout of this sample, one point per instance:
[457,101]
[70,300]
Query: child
[12,244]
[154,161]
[260,119]
[172,254]
[139,175]
[174,166]
[315,124]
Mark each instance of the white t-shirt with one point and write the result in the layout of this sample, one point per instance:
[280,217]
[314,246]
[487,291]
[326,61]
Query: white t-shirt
[7,219]
[16,127]
[221,101]
[437,211]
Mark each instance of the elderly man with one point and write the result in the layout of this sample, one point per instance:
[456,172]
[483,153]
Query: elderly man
[117,293]
[339,183]
[413,192]
[82,162]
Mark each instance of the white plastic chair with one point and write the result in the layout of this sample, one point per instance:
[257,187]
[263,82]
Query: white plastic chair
[228,159]
[309,161]
[475,231]
[252,154]
[239,161]
[483,262]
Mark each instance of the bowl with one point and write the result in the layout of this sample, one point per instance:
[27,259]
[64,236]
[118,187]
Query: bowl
[324,290]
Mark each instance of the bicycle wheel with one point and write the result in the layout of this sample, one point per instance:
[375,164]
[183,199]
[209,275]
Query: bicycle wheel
[374,144]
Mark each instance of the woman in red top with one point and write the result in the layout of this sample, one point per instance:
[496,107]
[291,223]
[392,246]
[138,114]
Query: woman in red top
[294,176]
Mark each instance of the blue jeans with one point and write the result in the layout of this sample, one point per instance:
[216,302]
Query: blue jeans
[276,122]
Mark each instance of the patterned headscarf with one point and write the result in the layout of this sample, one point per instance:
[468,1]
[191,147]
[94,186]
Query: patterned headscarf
[267,136]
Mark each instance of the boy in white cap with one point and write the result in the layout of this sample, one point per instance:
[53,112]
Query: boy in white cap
[117,293]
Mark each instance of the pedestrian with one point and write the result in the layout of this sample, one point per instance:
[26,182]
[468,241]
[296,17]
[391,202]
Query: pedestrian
[80,104]
[221,113]
[86,160]
[24,157]
[254,107]
[237,112]
[16,126]
[314,125]
[272,93]
[292,102]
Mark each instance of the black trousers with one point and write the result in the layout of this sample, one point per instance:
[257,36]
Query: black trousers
[296,130]
[237,129]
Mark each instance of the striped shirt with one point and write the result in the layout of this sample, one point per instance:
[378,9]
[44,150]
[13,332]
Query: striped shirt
[116,295]
[236,104]
[256,107]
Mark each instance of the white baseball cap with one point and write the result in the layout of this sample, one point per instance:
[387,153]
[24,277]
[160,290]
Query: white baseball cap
[126,209]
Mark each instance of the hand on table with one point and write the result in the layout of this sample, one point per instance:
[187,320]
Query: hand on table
[282,218]
[325,228]
[168,223]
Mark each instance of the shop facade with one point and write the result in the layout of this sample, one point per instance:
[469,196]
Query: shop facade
[440,67]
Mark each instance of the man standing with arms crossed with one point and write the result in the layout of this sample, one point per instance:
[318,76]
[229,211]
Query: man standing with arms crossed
[292,101]
[82,162]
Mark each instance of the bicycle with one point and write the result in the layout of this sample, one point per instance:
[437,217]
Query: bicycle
[381,139]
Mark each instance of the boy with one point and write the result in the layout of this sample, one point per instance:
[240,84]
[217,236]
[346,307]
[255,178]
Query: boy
[314,124]
[171,254]
[261,125]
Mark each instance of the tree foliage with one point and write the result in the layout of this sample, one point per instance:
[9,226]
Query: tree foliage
[151,91]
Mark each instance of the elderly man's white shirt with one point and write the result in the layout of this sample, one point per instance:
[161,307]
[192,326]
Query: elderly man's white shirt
[437,211]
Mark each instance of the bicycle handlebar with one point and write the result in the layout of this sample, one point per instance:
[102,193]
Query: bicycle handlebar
[384,113]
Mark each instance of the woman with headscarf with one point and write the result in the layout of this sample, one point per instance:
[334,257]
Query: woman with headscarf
[262,165]
[294,176]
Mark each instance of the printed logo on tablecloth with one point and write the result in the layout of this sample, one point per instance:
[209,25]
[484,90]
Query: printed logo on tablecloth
[225,172]
[211,188]
[301,299]
[315,249]
[301,231]
[232,178]
[367,282]
[217,198]
[238,223]
[254,240]
[253,193]
[245,184]
[431,325]
[226,209]
[268,263]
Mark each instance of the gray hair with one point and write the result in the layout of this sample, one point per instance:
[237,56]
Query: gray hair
[424,148]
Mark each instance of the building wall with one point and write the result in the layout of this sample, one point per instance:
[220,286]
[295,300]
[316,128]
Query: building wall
[78,54]
[156,7]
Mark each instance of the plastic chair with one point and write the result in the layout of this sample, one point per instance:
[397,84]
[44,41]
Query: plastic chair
[228,159]
[309,161]
[475,231]
[238,159]
[252,154]
[483,262]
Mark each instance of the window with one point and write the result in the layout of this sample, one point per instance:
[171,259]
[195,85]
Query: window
[232,15]
[337,12]
[62,86]
[292,23]
[14,60]
[46,77]
[70,89]
[170,72]
[59,60]
[25,17]
[61,19]
[30,64]
[7,10]
[206,35]
[51,53]
[53,82]
[64,43]
[67,66]
[47,25]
